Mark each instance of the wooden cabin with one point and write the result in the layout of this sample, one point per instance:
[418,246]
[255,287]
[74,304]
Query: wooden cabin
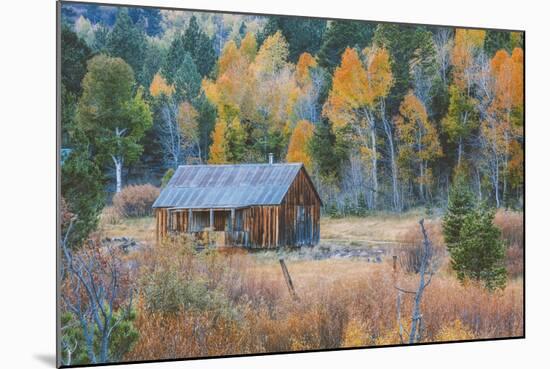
[248,205]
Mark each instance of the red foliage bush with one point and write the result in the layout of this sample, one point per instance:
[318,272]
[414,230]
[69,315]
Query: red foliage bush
[136,200]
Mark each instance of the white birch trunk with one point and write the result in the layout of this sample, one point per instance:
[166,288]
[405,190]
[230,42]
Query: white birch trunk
[117,160]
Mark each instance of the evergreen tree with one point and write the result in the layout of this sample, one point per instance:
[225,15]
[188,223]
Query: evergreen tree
[339,36]
[498,40]
[199,46]
[153,60]
[128,42]
[407,45]
[479,253]
[187,80]
[328,152]
[461,204]
[194,42]
[74,55]
[206,120]
[173,60]
[82,188]
[149,18]
[302,34]
[101,38]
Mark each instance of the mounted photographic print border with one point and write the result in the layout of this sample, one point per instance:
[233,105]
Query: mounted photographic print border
[284,184]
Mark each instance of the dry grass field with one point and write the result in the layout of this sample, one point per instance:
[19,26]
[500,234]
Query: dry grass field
[232,302]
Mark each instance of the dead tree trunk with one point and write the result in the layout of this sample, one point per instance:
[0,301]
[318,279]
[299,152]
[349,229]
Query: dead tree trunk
[426,273]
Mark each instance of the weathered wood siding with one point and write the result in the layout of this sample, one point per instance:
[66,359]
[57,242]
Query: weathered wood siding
[296,222]
[261,225]
[300,213]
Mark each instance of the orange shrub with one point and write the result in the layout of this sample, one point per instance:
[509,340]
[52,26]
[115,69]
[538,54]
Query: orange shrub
[136,200]
[342,303]
[511,226]
[110,216]
[409,255]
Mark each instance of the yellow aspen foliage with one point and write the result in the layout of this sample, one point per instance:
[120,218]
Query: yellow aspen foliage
[229,55]
[515,165]
[272,55]
[249,46]
[298,146]
[418,138]
[349,89]
[188,123]
[218,147]
[159,86]
[355,86]
[230,88]
[506,109]
[379,72]
[517,77]
[501,70]
[466,42]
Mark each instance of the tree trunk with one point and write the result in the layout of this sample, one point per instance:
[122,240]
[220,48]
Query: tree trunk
[117,160]
[393,167]
[374,168]
[425,261]
[459,161]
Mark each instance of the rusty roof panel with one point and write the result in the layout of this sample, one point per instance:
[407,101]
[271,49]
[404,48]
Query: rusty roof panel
[238,185]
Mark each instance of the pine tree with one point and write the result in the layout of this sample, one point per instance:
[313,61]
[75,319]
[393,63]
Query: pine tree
[187,80]
[128,42]
[461,204]
[479,253]
[302,34]
[200,46]
[74,55]
[328,151]
[339,36]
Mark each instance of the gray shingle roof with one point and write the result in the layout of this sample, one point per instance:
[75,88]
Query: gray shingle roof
[227,186]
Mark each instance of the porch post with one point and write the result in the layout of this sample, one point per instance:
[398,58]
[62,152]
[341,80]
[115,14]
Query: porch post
[212,219]
[232,219]
[190,221]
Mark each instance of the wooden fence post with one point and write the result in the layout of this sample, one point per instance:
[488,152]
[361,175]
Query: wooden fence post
[288,280]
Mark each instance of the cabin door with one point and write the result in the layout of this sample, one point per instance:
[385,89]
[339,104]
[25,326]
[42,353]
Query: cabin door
[300,226]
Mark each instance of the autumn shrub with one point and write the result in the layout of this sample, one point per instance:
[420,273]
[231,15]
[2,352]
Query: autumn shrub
[136,200]
[165,291]
[514,261]
[110,215]
[355,334]
[342,303]
[455,331]
[409,255]
[511,226]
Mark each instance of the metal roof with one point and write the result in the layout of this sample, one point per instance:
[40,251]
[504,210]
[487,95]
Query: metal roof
[227,186]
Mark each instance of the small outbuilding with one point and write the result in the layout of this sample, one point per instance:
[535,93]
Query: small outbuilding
[248,205]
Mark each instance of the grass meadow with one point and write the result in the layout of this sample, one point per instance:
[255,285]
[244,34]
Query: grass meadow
[228,302]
